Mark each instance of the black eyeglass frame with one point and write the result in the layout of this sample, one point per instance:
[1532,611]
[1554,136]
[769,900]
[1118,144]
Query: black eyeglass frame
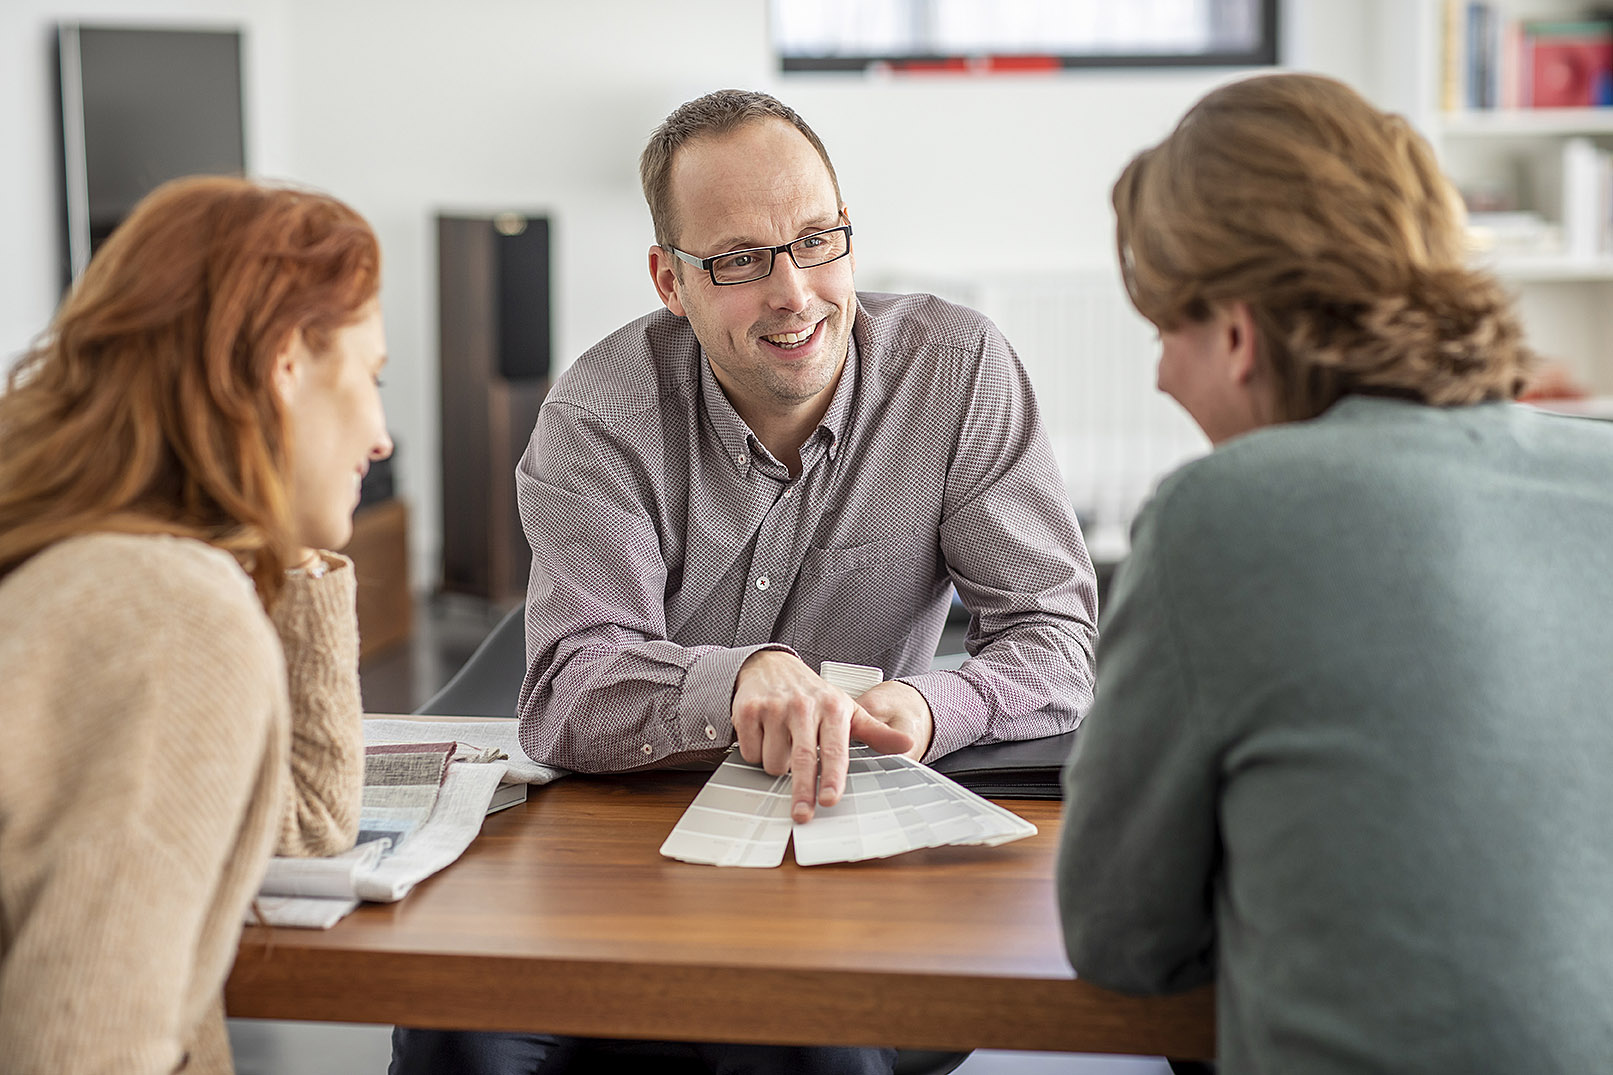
[772,253]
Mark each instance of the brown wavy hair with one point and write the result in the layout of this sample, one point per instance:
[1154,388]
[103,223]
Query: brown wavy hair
[1332,221]
[148,406]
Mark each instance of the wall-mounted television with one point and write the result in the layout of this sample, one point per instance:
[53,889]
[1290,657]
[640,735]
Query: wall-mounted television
[140,107]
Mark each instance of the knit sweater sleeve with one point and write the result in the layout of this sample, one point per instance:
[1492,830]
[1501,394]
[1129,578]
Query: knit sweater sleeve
[318,628]
[1138,847]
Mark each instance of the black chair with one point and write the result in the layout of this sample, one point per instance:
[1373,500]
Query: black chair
[489,682]
[489,685]
[657,1058]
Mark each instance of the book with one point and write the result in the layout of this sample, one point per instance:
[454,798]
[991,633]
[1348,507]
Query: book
[509,793]
[1571,64]
[1584,197]
[1019,769]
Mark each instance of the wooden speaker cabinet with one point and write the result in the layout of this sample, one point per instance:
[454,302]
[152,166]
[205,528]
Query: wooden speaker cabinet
[380,554]
[493,295]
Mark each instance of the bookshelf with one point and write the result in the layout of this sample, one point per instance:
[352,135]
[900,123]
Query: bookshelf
[1547,171]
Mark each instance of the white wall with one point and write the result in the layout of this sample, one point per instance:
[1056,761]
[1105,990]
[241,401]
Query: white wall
[407,107]
[30,197]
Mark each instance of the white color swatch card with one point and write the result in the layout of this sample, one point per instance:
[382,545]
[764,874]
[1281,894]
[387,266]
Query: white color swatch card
[891,804]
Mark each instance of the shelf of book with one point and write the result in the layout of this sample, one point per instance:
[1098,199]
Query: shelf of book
[1520,54]
[1532,157]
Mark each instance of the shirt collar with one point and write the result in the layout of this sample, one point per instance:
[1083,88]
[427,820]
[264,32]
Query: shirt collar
[739,442]
[733,434]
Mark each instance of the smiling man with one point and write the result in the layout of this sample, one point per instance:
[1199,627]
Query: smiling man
[773,471]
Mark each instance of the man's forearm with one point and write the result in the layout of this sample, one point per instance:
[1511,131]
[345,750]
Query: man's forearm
[1030,681]
[591,706]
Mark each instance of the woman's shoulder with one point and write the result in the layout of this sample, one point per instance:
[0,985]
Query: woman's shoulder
[143,627]
[152,582]
[155,562]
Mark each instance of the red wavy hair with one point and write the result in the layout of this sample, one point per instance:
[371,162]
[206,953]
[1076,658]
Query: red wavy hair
[148,405]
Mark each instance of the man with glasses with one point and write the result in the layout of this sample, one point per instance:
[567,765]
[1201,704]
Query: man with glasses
[771,472]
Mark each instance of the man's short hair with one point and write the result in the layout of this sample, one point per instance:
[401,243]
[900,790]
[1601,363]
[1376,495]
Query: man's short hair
[714,114]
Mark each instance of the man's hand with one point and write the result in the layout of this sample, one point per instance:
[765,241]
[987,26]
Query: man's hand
[787,718]
[902,708]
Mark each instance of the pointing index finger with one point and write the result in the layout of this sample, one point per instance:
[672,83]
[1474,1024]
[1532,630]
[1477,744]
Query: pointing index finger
[803,777]
[834,750]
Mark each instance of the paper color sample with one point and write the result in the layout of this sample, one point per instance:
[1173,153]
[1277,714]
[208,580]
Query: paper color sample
[892,804]
[740,818]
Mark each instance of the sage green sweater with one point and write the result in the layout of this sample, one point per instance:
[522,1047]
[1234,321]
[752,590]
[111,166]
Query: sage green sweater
[1352,751]
[161,736]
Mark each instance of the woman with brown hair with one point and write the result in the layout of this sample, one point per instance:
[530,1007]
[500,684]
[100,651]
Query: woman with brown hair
[1350,754]
[179,661]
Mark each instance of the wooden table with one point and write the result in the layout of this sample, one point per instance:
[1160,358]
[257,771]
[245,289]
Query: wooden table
[563,917]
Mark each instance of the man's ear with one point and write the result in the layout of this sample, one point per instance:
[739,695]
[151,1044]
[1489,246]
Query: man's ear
[664,274]
[845,213]
[1241,342]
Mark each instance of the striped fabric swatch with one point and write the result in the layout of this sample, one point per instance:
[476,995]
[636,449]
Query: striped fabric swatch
[401,782]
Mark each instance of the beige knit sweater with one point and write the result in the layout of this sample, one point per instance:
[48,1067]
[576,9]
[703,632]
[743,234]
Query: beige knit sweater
[160,736]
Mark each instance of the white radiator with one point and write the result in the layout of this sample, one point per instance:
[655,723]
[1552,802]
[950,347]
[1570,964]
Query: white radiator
[1091,358]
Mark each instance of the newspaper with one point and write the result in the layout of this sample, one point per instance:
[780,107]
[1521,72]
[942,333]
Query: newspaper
[317,893]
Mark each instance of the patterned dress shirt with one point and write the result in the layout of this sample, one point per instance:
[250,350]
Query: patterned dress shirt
[668,544]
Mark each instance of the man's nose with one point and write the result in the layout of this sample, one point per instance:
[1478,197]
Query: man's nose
[787,284]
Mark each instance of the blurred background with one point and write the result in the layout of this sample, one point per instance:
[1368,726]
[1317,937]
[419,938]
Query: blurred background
[991,188]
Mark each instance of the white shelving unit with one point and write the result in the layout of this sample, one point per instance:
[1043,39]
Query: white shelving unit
[1548,268]
[1566,301]
[1548,123]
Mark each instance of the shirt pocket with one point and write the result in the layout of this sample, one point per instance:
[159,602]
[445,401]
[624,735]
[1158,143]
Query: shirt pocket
[823,564]
[845,607]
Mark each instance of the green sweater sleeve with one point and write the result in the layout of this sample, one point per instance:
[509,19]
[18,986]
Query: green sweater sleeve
[1137,848]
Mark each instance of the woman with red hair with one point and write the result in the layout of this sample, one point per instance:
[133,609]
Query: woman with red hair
[179,659]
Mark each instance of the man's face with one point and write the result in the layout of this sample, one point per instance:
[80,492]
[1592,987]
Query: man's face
[778,344]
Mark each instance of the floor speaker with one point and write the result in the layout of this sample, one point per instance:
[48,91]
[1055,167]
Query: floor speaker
[493,294]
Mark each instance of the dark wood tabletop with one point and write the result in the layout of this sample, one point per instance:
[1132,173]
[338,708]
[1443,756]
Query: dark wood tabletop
[563,917]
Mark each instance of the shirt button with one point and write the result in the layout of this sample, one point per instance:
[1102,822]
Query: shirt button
[646,749]
[740,460]
[711,733]
[763,582]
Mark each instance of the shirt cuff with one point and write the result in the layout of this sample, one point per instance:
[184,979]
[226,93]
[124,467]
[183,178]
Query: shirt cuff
[706,709]
[956,708]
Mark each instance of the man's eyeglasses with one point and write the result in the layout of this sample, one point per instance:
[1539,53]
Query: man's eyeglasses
[744,266]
